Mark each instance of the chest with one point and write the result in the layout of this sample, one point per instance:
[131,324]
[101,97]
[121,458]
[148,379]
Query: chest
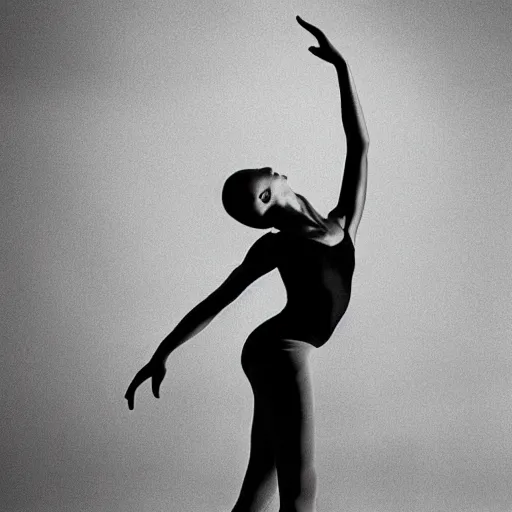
[308,261]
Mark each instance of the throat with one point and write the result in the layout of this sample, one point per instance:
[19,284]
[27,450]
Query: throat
[316,223]
[333,236]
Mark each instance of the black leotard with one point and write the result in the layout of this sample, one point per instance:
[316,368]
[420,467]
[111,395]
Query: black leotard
[318,282]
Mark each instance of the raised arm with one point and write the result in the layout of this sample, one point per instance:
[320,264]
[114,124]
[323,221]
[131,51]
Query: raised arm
[257,263]
[353,190]
[351,112]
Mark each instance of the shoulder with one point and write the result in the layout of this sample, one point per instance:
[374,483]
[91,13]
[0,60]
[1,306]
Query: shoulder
[263,254]
[265,243]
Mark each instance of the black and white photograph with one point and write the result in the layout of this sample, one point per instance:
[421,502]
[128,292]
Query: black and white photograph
[256,256]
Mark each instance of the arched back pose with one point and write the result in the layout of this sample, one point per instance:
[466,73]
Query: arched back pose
[315,257]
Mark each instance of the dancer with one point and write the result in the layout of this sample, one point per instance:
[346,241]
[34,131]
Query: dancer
[315,257]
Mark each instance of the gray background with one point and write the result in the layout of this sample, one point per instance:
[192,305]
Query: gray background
[120,121]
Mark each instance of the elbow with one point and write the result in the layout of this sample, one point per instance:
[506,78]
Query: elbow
[364,140]
[358,138]
[361,143]
[210,307]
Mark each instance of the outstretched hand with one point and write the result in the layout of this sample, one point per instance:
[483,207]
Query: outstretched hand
[325,50]
[154,371]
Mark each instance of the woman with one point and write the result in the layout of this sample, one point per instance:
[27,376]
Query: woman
[315,257]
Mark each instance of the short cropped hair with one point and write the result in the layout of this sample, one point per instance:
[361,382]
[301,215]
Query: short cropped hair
[239,202]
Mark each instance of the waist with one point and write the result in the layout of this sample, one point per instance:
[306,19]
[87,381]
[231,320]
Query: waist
[287,325]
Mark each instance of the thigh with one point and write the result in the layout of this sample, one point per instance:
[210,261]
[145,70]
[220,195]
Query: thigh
[279,374]
[278,370]
[291,398]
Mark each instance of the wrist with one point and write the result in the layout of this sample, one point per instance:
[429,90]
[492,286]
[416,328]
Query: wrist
[340,63]
[159,358]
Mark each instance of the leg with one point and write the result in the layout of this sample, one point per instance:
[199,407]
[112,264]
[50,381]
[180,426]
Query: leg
[294,434]
[282,379]
[260,480]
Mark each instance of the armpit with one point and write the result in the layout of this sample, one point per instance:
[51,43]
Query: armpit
[337,217]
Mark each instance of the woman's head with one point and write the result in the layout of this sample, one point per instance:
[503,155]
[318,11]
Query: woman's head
[262,198]
[251,196]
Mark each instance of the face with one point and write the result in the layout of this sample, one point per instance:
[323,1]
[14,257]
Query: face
[271,194]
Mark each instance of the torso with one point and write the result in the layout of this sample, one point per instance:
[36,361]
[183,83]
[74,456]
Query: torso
[317,274]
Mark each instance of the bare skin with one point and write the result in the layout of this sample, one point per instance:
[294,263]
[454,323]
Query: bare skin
[273,197]
[291,213]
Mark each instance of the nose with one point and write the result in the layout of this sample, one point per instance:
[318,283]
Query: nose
[273,173]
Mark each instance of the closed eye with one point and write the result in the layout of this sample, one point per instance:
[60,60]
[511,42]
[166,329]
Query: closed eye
[265,196]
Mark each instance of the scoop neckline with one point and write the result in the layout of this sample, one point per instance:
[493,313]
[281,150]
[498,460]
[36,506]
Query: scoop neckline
[345,234]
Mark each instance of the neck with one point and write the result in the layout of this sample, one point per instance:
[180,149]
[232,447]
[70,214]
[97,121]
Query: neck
[303,220]
[315,221]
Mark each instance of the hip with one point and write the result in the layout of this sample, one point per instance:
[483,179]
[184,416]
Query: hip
[272,342]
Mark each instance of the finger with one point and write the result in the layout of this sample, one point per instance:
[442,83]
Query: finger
[314,51]
[155,386]
[134,384]
[310,28]
[130,397]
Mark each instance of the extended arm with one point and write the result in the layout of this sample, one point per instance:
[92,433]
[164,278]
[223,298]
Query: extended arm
[355,175]
[255,264]
[351,111]
[191,324]
[202,314]
[353,190]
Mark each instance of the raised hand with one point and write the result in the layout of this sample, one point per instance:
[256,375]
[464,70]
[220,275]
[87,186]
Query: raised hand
[155,371]
[325,50]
